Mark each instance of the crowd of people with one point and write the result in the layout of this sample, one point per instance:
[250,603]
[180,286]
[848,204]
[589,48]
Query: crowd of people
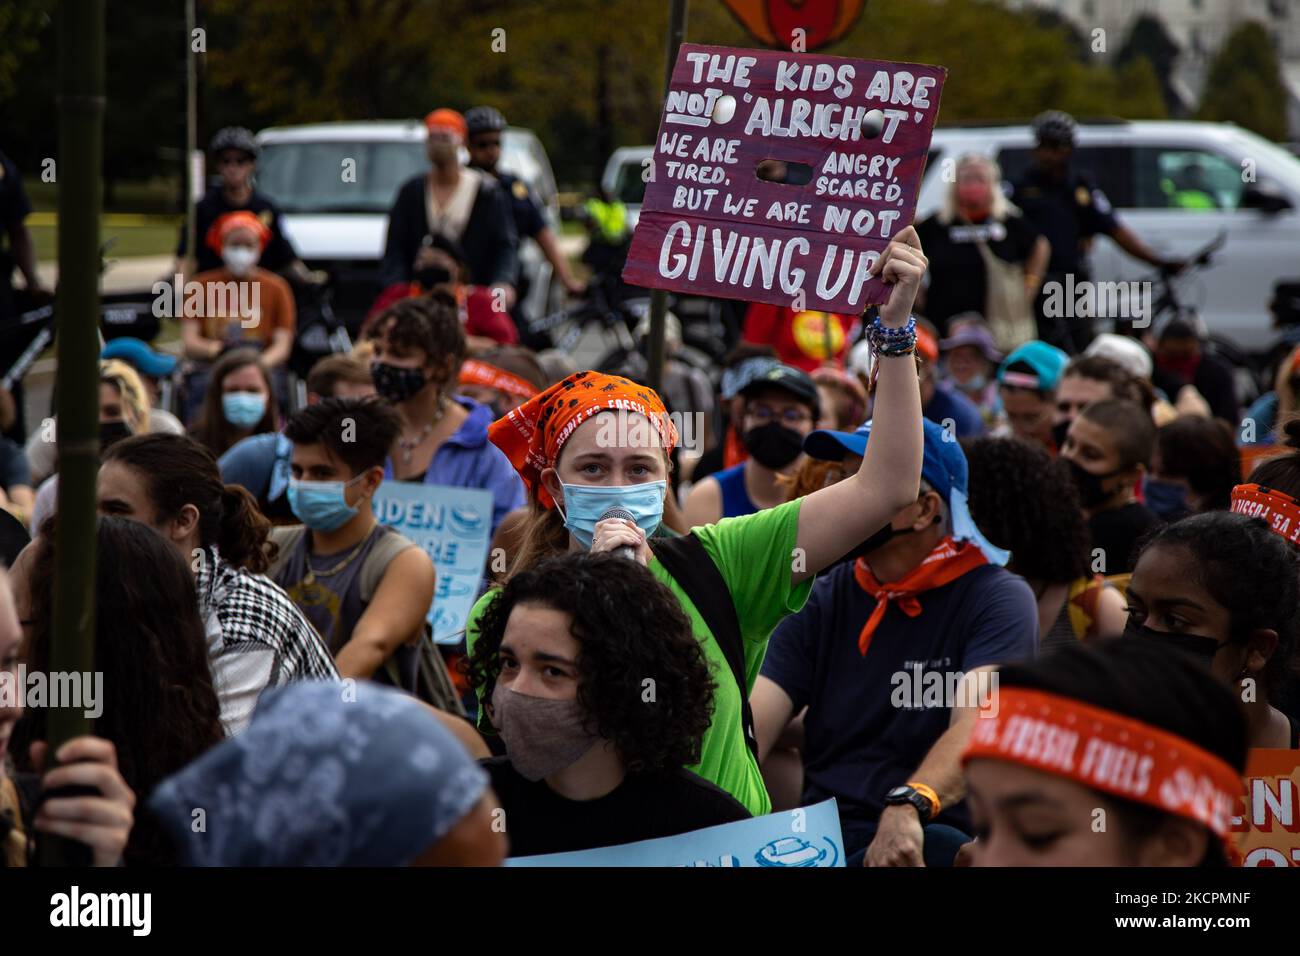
[1059,520]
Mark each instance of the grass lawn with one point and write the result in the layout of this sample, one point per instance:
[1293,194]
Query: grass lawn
[154,237]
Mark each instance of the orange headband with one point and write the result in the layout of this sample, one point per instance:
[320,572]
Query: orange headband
[1105,751]
[242,219]
[474,372]
[1281,511]
[533,434]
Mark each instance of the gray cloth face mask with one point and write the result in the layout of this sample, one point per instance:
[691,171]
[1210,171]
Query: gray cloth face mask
[542,736]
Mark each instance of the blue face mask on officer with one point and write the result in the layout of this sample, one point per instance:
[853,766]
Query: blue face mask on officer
[584,505]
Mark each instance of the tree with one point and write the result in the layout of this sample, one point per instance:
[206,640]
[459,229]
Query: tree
[1245,86]
[1148,40]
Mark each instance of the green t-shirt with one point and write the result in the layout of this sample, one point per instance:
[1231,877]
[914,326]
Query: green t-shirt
[754,553]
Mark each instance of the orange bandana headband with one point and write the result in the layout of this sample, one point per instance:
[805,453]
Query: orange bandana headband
[1281,511]
[532,435]
[242,219]
[1105,751]
[474,372]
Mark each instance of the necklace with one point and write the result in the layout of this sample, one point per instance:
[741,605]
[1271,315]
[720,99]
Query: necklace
[312,574]
[408,445]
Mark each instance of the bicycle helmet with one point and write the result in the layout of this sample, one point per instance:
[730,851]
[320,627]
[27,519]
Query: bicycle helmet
[235,137]
[1054,128]
[484,119]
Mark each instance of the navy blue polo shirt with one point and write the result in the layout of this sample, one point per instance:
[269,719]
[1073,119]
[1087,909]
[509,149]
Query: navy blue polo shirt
[866,731]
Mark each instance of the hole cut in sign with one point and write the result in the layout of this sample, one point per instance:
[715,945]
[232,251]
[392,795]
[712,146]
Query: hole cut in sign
[724,108]
[783,172]
[873,124]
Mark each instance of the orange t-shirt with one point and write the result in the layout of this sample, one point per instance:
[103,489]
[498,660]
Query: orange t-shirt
[235,310]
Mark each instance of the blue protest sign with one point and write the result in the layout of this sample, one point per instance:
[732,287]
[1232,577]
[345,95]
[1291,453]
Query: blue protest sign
[807,837]
[453,526]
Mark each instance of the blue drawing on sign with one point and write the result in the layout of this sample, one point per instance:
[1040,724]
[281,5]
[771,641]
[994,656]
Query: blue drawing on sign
[794,852]
[466,522]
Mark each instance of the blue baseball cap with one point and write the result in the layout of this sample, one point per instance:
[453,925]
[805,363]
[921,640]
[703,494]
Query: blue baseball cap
[137,354]
[1047,362]
[943,467]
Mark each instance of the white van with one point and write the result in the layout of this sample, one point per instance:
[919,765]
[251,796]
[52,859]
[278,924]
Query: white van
[1253,192]
[341,225]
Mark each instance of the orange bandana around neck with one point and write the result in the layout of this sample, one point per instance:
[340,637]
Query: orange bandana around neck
[947,562]
[1102,750]
[532,435]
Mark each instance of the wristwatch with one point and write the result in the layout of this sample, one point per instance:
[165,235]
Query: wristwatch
[925,800]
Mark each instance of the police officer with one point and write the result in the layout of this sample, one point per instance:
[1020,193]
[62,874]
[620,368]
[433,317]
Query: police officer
[485,126]
[234,152]
[1069,210]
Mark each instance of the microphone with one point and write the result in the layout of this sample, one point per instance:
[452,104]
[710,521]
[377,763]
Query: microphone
[627,551]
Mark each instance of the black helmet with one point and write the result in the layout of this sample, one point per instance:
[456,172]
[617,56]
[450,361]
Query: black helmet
[1054,128]
[484,119]
[235,137]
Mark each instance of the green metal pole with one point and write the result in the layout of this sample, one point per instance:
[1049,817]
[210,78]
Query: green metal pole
[81,145]
[659,298]
[191,136]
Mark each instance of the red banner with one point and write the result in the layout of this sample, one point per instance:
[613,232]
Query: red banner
[710,226]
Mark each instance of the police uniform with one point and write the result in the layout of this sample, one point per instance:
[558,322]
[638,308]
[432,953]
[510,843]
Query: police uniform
[529,222]
[1067,212]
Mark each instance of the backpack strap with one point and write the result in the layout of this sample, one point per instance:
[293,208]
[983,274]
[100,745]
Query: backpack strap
[694,571]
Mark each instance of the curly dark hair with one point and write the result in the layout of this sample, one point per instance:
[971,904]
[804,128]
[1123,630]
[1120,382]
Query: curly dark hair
[629,628]
[160,709]
[430,323]
[1024,501]
[1252,572]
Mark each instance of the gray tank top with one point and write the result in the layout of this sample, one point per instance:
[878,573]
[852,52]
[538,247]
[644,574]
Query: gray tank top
[333,598]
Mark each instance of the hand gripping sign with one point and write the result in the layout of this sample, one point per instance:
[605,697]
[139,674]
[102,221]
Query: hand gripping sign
[710,226]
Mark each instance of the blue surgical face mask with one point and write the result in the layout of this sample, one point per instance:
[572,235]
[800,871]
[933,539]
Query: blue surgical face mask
[585,504]
[975,383]
[243,409]
[322,505]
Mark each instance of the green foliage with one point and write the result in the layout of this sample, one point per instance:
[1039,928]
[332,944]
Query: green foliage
[1244,85]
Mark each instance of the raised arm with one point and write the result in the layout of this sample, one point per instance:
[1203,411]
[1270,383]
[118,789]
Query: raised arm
[834,520]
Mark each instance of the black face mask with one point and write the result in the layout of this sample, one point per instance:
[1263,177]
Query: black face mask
[1091,492]
[773,445]
[1059,431]
[395,383]
[110,433]
[1199,648]
[878,540]
[432,276]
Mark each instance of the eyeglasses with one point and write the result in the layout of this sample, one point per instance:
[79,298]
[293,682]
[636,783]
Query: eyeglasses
[234,159]
[486,143]
[792,417]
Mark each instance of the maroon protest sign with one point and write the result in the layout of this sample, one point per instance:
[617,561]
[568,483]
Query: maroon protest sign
[710,226]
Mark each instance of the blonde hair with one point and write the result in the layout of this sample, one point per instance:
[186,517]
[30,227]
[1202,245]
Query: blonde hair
[1001,206]
[135,401]
[1288,402]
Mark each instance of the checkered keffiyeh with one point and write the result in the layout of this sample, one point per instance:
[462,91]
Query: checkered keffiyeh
[253,611]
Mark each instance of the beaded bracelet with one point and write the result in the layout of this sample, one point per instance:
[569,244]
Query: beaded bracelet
[889,342]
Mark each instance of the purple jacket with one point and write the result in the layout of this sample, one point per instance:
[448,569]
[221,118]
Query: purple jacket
[468,460]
